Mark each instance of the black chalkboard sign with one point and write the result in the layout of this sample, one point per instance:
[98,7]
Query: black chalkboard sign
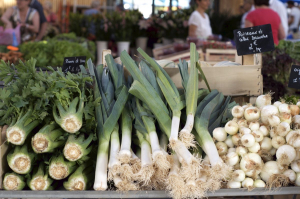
[294,81]
[72,64]
[253,40]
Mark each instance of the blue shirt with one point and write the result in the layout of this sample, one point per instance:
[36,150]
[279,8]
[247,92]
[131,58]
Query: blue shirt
[92,28]
[36,5]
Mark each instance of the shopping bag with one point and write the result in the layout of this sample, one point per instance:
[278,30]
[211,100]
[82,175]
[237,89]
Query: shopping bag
[6,36]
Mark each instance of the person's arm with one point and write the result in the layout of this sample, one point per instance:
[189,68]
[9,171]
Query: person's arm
[248,24]
[42,31]
[192,30]
[35,27]
[43,22]
[281,32]
[291,19]
[5,18]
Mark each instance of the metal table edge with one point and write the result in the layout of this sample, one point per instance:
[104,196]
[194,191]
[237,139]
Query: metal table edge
[143,194]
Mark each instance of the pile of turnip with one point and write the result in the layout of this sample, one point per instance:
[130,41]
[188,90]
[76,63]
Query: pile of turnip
[262,144]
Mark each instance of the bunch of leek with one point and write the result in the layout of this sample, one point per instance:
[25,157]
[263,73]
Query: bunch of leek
[108,112]
[13,181]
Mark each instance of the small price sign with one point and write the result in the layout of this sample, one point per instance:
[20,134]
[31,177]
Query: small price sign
[72,64]
[294,81]
[254,40]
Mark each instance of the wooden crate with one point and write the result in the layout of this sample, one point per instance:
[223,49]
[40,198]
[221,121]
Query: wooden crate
[3,153]
[217,55]
[158,54]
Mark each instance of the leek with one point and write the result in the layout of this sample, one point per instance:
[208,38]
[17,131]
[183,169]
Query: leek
[158,156]
[191,96]
[19,131]
[59,168]
[20,160]
[171,94]
[81,179]
[114,163]
[47,139]
[117,74]
[219,170]
[108,112]
[40,181]
[76,148]
[13,182]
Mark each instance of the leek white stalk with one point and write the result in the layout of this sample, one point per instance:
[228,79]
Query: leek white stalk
[114,164]
[263,100]
[147,170]
[191,97]
[219,134]
[237,112]
[126,127]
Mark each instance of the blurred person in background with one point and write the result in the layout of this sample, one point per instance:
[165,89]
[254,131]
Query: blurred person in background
[294,17]
[281,10]
[95,8]
[25,16]
[262,15]
[42,19]
[199,23]
[50,16]
[248,7]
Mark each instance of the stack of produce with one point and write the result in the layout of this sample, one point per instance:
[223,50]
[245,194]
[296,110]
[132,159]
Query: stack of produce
[11,56]
[261,143]
[50,118]
[149,134]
